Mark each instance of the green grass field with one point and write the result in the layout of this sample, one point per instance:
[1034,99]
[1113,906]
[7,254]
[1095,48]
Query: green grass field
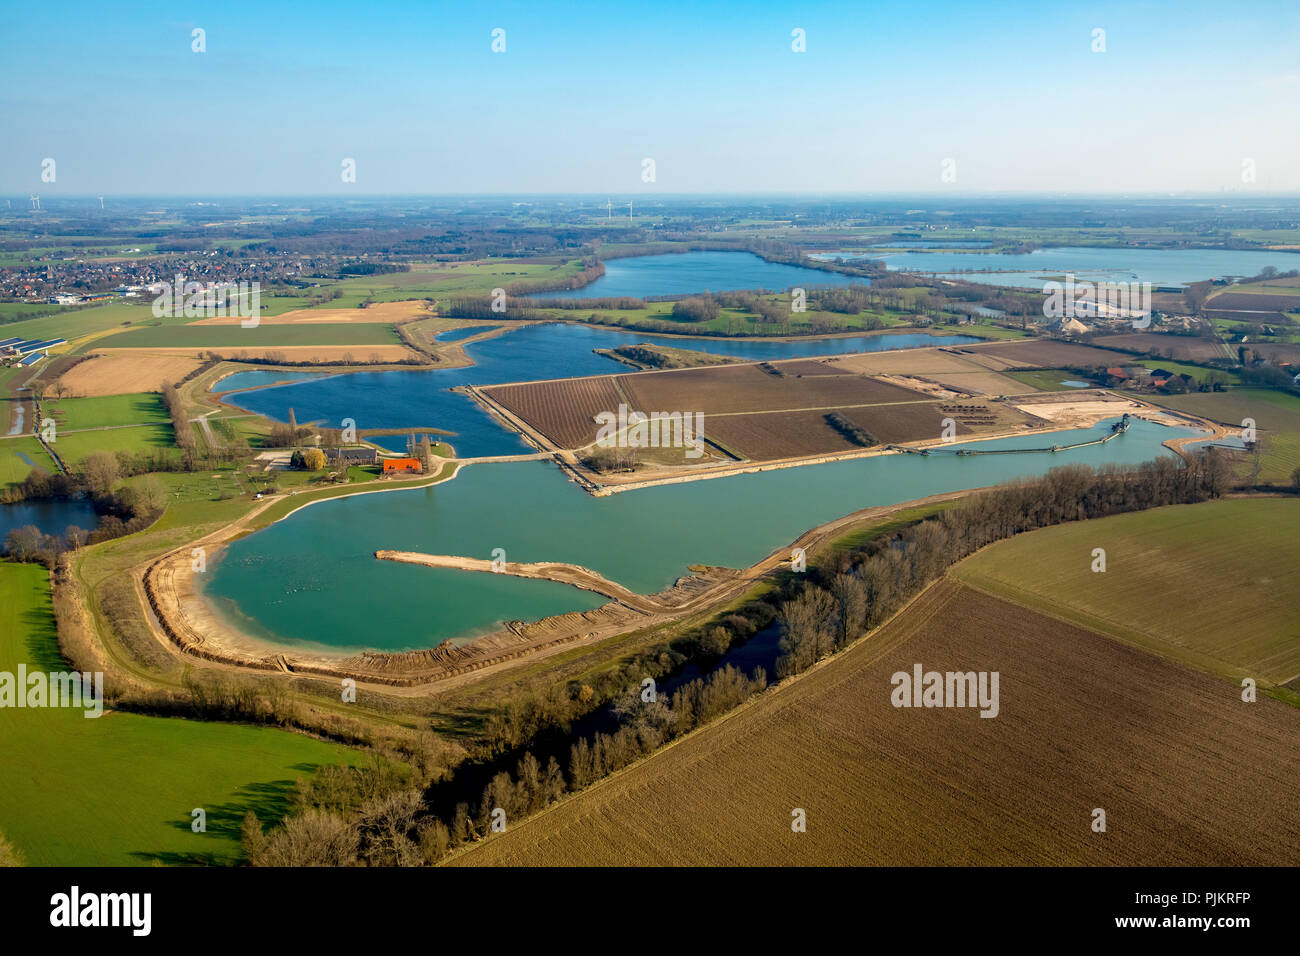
[1047,380]
[119,790]
[264,336]
[1212,584]
[72,447]
[130,409]
[13,468]
[1276,415]
[72,324]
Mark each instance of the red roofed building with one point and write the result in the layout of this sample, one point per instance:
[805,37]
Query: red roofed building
[401,465]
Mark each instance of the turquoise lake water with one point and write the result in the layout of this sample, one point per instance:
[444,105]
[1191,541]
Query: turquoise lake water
[312,580]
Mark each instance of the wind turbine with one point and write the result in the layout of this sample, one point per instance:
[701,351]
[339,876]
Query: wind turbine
[36,201]
[101,202]
[629,212]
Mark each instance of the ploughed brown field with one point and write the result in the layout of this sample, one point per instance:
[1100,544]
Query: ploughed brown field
[565,410]
[1186,772]
[944,366]
[130,370]
[720,390]
[757,412]
[1040,353]
[1187,347]
[773,435]
[1254,302]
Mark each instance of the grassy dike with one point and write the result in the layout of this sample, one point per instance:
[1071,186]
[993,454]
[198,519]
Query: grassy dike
[118,790]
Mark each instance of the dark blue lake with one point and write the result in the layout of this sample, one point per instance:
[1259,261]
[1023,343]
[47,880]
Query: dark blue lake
[52,517]
[688,272]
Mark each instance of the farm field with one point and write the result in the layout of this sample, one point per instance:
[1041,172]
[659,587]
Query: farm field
[1275,299]
[1084,722]
[562,410]
[1045,380]
[290,353]
[1211,584]
[118,790]
[1040,353]
[1276,415]
[960,371]
[1187,347]
[72,447]
[724,389]
[127,409]
[13,451]
[377,313]
[771,435]
[758,414]
[73,324]
[263,336]
[112,373]
[776,435]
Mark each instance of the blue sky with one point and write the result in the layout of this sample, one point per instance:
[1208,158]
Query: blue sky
[1012,92]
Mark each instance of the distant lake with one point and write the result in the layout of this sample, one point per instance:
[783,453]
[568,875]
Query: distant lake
[406,399]
[1160,267]
[684,273]
[52,517]
[934,244]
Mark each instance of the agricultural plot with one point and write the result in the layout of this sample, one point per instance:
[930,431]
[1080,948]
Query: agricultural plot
[1084,722]
[1041,353]
[1278,300]
[118,790]
[129,409]
[565,410]
[773,435]
[72,447]
[315,354]
[760,412]
[263,336]
[18,456]
[113,373]
[1187,347]
[74,324]
[379,312]
[944,366]
[1212,584]
[908,423]
[776,435]
[727,389]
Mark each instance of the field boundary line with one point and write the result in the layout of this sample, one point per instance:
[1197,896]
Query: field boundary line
[1129,637]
